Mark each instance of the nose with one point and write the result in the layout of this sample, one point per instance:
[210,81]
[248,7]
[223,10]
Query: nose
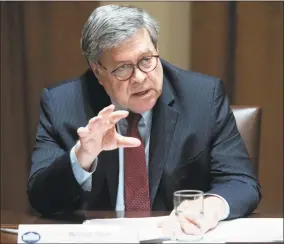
[138,75]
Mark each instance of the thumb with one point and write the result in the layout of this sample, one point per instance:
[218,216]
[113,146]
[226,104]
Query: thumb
[123,141]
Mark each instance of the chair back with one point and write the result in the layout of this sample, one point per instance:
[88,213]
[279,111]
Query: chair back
[248,121]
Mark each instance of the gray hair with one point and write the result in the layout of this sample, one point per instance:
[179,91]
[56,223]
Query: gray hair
[110,25]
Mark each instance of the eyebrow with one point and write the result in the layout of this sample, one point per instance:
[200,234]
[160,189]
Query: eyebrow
[119,62]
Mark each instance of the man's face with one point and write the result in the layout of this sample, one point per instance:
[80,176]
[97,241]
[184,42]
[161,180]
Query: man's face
[140,92]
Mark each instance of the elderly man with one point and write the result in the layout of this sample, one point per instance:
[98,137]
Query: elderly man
[134,129]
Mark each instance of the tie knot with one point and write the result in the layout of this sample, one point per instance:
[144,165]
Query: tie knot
[133,119]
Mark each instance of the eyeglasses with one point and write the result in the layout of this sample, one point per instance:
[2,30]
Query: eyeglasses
[126,71]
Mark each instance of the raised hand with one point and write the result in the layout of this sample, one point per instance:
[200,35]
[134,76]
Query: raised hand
[100,134]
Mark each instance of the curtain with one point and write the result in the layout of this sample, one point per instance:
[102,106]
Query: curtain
[37,51]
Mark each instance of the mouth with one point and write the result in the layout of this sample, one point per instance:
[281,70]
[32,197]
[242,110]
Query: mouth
[142,93]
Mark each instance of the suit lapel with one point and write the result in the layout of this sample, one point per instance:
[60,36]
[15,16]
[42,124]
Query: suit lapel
[163,127]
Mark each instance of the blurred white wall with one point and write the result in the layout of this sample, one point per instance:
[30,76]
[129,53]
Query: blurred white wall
[175,26]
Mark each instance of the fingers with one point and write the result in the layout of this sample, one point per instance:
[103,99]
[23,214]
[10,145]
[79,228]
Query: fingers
[107,110]
[114,117]
[83,131]
[123,141]
[207,223]
[88,132]
[101,129]
[105,120]
[189,226]
[189,223]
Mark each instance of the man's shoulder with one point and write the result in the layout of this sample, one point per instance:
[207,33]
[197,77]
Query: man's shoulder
[65,84]
[176,74]
[70,85]
[189,85]
[84,90]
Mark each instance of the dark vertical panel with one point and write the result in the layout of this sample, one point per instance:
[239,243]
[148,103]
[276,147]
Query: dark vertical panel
[211,50]
[259,81]
[230,57]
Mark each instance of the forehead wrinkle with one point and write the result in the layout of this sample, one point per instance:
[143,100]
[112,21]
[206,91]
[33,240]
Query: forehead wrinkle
[135,55]
[130,50]
[133,48]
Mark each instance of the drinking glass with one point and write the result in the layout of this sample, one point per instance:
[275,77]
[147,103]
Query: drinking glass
[188,203]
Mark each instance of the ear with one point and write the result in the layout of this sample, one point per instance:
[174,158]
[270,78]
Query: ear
[94,68]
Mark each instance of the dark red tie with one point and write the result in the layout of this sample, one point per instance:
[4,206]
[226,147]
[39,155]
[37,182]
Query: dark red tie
[136,185]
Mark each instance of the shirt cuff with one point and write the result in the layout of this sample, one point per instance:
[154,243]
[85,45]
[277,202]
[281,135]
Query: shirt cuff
[227,207]
[80,174]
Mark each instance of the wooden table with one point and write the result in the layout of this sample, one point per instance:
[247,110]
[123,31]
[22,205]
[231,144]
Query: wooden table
[11,219]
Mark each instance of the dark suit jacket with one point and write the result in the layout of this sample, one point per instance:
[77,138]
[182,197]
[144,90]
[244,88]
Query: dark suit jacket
[195,144]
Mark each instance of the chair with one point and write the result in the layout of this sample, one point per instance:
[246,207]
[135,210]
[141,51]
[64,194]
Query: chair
[248,121]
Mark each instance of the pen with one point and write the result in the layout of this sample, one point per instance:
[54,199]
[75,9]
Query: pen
[11,231]
[158,240]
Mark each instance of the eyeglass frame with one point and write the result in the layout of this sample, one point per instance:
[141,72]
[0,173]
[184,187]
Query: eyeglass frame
[133,65]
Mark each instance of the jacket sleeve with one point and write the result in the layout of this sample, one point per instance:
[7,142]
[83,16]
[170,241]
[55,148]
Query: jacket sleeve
[231,169]
[52,186]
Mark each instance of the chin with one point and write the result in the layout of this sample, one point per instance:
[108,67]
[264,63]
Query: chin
[141,108]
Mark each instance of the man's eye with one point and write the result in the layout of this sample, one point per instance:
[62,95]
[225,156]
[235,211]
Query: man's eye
[146,59]
[122,68]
